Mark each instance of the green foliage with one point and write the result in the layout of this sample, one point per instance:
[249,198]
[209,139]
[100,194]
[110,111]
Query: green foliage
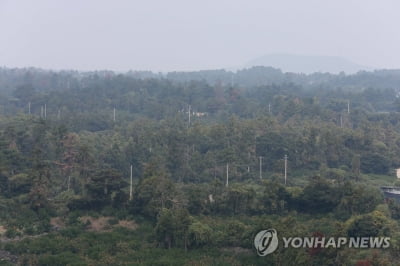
[394,208]
[76,162]
[375,163]
[61,259]
[234,234]
[370,225]
[319,196]
[358,199]
[172,227]
[199,234]
[275,198]
[104,184]
[12,233]
[153,194]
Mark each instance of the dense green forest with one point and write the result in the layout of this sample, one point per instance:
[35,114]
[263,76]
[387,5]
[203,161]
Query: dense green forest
[207,153]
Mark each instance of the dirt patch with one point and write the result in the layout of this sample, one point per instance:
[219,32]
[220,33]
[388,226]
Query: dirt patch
[127,224]
[2,230]
[102,224]
[99,224]
[57,223]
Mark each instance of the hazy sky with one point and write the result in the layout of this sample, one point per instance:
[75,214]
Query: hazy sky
[185,34]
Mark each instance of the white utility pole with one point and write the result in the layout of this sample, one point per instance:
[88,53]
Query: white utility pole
[341,121]
[227,175]
[285,168]
[269,108]
[58,114]
[45,111]
[29,108]
[189,113]
[348,106]
[260,167]
[130,189]
[114,115]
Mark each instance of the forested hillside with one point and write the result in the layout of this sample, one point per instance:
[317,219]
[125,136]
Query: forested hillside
[206,150]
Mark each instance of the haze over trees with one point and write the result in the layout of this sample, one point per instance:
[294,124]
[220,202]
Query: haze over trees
[207,152]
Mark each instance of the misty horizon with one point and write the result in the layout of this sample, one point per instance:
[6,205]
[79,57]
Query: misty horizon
[189,36]
[287,63]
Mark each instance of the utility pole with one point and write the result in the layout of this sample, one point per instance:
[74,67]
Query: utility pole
[59,114]
[114,115]
[45,112]
[189,113]
[348,106]
[341,121]
[227,175]
[285,168]
[130,189]
[29,108]
[260,167]
[269,108]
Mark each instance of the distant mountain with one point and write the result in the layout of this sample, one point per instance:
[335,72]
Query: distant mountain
[307,64]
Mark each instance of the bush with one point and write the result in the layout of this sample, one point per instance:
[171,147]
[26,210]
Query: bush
[374,163]
[71,232]
[29,230]
[12,233]
[113,221]
[199,234]
[369,225]
[62,259]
